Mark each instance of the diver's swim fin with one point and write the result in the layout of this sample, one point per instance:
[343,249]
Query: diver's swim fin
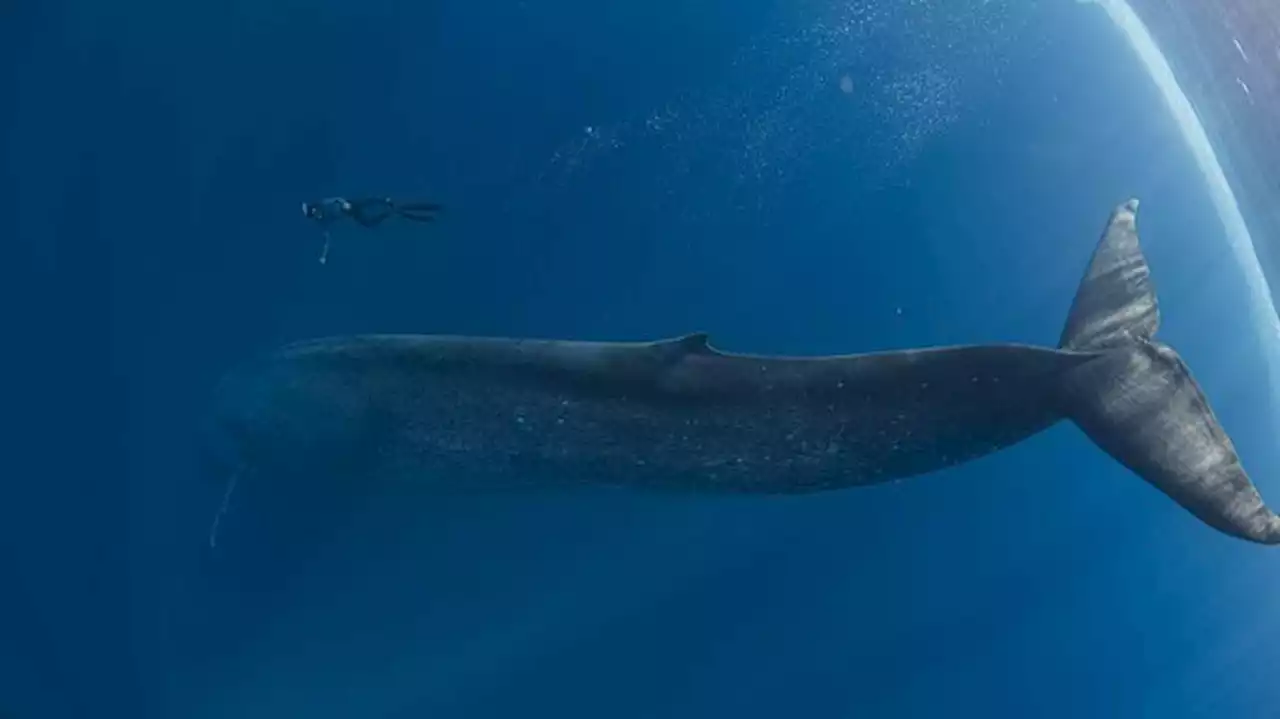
[417,211]
[1138,400]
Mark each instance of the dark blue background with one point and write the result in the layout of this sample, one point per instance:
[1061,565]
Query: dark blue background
[155,155]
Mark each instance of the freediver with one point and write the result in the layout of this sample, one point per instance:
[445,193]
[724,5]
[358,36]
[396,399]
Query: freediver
[366,211]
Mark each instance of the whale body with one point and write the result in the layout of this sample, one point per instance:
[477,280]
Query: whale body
[678,414]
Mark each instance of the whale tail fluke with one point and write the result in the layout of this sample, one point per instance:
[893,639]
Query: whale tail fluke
[1138,400]
[1115,303]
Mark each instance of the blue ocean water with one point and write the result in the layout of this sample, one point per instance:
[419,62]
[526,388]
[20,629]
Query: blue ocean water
[797,178]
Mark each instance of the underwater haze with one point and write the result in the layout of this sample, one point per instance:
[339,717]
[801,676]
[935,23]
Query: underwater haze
[796,178]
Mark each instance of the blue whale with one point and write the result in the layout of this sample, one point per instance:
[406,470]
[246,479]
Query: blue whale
[678,414]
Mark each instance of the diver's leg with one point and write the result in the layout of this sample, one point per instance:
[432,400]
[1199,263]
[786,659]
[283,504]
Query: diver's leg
[371,212]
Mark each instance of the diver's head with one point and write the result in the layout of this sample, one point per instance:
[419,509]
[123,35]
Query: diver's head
[311,211]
